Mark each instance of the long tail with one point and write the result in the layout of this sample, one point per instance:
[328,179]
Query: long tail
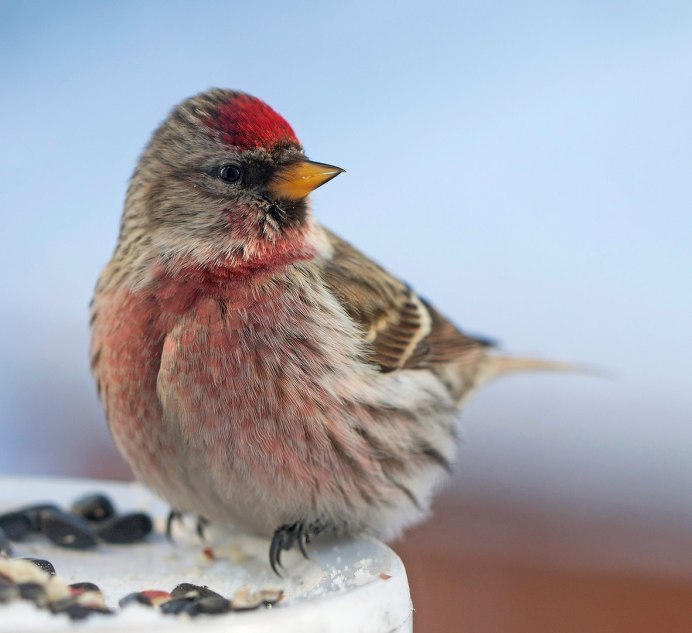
[493,367]
[498,366]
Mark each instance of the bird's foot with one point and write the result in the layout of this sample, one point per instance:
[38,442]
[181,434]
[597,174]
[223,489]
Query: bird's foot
[173,516]
[177,516]
[285,537]
[202,524]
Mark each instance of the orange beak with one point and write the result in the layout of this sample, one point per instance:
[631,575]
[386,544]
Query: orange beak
[297,180]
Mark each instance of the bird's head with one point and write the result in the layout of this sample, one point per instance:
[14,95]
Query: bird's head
[223,178]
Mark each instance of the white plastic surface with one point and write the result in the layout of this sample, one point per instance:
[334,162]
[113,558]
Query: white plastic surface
[356,586]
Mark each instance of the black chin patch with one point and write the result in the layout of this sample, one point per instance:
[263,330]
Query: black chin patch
[288,214]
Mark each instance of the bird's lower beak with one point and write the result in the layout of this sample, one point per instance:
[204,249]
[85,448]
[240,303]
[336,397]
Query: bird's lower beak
[297,180]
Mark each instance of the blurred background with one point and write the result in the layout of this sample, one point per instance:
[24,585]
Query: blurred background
[526,166]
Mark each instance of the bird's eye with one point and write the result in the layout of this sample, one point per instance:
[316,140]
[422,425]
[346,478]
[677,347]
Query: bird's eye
[230,173]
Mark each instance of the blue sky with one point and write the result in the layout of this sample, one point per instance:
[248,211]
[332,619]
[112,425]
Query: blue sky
[526,167]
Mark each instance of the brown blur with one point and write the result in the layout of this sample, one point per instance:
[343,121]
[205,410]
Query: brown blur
[479,568]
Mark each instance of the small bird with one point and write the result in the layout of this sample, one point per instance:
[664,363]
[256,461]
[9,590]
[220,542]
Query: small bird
[254,367]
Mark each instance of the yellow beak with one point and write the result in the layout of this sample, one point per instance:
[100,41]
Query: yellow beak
[297,180]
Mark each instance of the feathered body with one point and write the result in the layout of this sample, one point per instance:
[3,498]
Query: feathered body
[255,368]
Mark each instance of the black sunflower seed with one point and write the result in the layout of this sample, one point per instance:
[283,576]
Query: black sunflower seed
[94,507]
[81,612]
[33,591]
[148,598]
[85,586]
[33,513]
[67,530]
[210,605]
[126,528]
[177,605]
[134,598]
[76,611]
[15,525]
[188,590]
[45,565]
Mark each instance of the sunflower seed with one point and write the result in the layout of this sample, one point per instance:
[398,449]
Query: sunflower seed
[177,605]
[33,591]
[149,598]
[84,586]
[126,528]
[15,525]
[188,590]
[77,611]
[246,600]
[94,507]
[67,530]
[210,605]
[33,513]
[45,565]
[134,598]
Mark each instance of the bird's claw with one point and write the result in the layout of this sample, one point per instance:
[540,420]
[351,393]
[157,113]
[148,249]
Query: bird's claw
[177,515]
[202,524]
[173,516]
[284,539]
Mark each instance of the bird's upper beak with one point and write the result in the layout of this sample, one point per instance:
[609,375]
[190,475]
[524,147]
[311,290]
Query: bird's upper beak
[297,180]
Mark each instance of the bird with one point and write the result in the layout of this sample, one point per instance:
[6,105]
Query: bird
[255,368]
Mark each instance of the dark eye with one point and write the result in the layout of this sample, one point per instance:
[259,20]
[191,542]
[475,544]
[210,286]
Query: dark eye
[230,173]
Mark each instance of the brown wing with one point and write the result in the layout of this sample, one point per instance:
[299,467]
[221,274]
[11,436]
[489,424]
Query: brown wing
[403,330]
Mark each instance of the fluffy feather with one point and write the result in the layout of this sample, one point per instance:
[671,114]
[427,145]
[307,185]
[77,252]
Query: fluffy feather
[262,371]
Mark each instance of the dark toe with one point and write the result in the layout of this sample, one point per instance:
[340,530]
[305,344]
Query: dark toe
[173,515]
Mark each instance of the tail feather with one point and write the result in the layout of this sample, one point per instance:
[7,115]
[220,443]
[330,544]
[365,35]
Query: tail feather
[493,367]
[498,366]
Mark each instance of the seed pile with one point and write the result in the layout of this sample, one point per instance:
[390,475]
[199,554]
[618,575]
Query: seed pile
[196,600]
[91,518]
[36,580]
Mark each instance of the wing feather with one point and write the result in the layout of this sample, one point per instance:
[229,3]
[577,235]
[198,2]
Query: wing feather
[403,331]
